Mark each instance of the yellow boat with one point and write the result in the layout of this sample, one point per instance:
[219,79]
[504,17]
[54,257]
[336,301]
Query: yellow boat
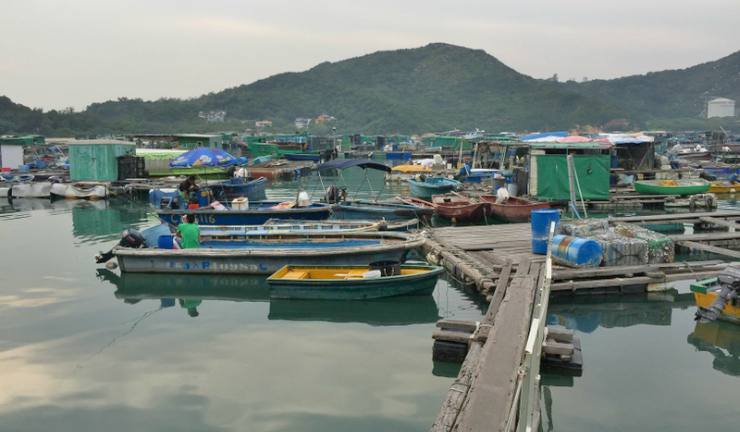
[706,292]
[353,282]
[411,169]
[724,187]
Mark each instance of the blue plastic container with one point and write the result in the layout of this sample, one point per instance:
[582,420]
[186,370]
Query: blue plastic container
[540,226]
[165,242]
[576,251]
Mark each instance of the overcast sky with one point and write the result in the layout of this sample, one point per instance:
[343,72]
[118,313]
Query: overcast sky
[55,54]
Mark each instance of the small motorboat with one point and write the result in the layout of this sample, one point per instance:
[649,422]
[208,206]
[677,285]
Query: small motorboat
[236,187]
[31,190]
[719,297]
[257,213]
[264,254]
[80,190]
[278,226]
[514,209]
[724,187]
[459,208]
[672,187]
[428,186]
[352,282]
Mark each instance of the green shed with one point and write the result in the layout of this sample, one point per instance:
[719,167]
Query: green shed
[96,160]
[191,141]
[548,175]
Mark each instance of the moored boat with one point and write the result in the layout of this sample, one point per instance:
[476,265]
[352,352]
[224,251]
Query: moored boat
[237,187]
[672,187]
[31,190]
[79,190]
[724,187]
[375,210]
[278,226]
[459,208]
[257,213]
[351,282]
[266,254]
[718,297]
[514,209]
[429,186]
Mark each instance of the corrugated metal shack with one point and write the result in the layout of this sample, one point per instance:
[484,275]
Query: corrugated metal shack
[548,174]
[96,159]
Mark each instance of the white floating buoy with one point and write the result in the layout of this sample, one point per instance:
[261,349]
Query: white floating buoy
[110,265]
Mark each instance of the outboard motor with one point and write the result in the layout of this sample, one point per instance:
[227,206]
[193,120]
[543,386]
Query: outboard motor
[332,194]
[729,281]
[130,238]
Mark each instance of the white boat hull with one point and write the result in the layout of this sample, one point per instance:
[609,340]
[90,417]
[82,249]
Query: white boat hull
[31,190]
[79,191]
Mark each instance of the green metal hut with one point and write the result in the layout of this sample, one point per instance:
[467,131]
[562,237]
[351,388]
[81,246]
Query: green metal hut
[548,173]
[96,160]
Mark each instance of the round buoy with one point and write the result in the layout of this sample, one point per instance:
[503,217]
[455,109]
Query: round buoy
[110,265]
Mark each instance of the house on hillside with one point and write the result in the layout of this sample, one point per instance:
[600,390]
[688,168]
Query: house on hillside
[302,122]
[720,107]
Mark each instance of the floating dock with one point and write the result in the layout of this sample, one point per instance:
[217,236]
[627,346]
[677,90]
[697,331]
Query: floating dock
[497,387]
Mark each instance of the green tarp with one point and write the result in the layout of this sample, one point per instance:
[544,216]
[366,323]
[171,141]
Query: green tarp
[592,172]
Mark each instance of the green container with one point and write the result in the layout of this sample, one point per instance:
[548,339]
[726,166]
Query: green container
[92,160]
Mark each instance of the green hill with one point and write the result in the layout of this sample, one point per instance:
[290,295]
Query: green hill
[435,87]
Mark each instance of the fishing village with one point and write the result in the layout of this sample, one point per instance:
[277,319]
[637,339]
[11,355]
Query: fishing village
[514,219]
[369,216]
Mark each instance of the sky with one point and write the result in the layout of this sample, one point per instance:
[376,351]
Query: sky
[70,53]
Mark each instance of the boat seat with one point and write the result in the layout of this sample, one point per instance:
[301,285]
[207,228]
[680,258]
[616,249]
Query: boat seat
[296,274]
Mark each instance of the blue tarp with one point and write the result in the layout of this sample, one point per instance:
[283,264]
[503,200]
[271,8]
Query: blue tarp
[203,157]
[538,135]
[341,164]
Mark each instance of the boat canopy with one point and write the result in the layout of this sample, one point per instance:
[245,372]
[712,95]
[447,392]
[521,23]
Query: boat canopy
[341,164]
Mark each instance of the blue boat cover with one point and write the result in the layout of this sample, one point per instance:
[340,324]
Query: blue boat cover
[540,135]
[341,164]
[203,157]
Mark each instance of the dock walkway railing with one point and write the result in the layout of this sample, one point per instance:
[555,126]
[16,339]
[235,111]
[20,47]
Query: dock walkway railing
[527,394]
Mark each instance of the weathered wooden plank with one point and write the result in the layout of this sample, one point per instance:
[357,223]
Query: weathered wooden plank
[452,336]
[705,236]
[709,248]
[730,225]
[491,394]
[675,216]
[458,391]
[457,325]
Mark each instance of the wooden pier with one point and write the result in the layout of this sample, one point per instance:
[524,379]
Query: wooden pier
[497,261]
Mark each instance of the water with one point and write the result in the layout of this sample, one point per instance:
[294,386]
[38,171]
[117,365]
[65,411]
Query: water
[83,349]
[647,366]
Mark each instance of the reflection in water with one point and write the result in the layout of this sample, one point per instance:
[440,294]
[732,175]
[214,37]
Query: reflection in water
[722,341]
[191,290]
[587,313]
[403,310]
[90,224]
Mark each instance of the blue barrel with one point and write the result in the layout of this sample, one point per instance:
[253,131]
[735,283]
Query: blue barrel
[165,242]
[203,198]
[576,251]
[540,227]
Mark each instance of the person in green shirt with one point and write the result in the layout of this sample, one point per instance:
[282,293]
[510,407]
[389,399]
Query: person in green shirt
[189,233]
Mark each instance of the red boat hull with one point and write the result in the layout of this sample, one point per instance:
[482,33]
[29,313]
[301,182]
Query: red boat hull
[471,212]
[514,209]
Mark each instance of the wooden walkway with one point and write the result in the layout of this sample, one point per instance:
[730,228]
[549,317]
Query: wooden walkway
[496,260]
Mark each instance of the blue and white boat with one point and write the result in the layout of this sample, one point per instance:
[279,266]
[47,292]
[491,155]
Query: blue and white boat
[258,213]
[266,254]
[237,187]
[277,226]
[429,186]
[372,210]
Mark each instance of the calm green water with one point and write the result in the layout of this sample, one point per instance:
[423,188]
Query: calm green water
[84,349]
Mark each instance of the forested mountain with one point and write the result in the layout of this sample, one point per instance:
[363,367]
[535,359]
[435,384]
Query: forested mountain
[435,87]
